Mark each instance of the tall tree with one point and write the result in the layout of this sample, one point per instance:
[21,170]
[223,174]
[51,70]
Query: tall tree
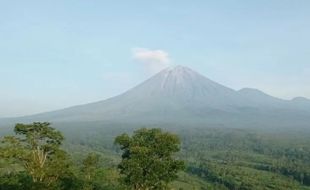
[36,147]
[89,167]
[148,160]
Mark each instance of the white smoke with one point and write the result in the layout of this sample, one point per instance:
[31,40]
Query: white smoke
[153,60]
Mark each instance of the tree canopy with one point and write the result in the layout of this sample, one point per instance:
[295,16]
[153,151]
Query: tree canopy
[36,148]
[148,160]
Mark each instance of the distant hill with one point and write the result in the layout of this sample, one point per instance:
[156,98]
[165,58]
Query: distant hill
[182,96]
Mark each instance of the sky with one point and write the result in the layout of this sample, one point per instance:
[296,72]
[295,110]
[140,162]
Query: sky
[56,53]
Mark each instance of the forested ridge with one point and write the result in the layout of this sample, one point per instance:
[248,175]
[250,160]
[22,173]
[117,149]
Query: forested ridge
[44,156]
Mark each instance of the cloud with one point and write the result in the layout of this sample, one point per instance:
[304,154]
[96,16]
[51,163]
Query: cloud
[153,60]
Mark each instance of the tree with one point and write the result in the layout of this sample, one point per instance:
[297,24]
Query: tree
[90,165]
[148,159]
[36,147]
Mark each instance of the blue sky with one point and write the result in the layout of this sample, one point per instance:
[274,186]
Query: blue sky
[57,53]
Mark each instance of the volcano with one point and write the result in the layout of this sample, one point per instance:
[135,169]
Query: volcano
[180,95]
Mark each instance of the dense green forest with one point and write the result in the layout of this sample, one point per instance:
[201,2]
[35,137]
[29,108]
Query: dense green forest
[97,157]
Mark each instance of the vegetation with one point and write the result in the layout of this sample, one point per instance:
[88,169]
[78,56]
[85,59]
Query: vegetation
[33,159]
[98,157]
[240,159]
[147,159]
[36,148]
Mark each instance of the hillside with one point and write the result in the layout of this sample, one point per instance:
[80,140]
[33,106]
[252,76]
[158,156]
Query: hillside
[180,95]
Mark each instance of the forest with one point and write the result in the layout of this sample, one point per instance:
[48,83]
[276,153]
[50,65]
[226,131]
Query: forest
[46,156]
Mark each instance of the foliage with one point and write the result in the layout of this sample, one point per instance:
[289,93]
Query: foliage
[90,164]
[40,163]
[243,159]
[216,158]
[36,148]
[267,159]
[147,159]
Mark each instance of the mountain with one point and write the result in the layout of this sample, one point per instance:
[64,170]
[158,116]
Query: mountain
[180,95]
[302,103]
[301,100]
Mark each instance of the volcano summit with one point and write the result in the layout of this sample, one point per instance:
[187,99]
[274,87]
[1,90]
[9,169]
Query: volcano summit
[180,95]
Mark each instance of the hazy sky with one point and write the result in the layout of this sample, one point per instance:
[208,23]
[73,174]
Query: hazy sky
[59,53]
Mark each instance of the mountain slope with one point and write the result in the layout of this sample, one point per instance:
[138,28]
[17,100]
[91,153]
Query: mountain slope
[178,95]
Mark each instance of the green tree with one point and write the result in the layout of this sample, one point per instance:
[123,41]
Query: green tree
[36,147]
[148,159]
[90,165]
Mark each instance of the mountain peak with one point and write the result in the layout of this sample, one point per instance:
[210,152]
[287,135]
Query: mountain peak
[178,70]
[179,93]
[177,77]
[252,91]
[301,99]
